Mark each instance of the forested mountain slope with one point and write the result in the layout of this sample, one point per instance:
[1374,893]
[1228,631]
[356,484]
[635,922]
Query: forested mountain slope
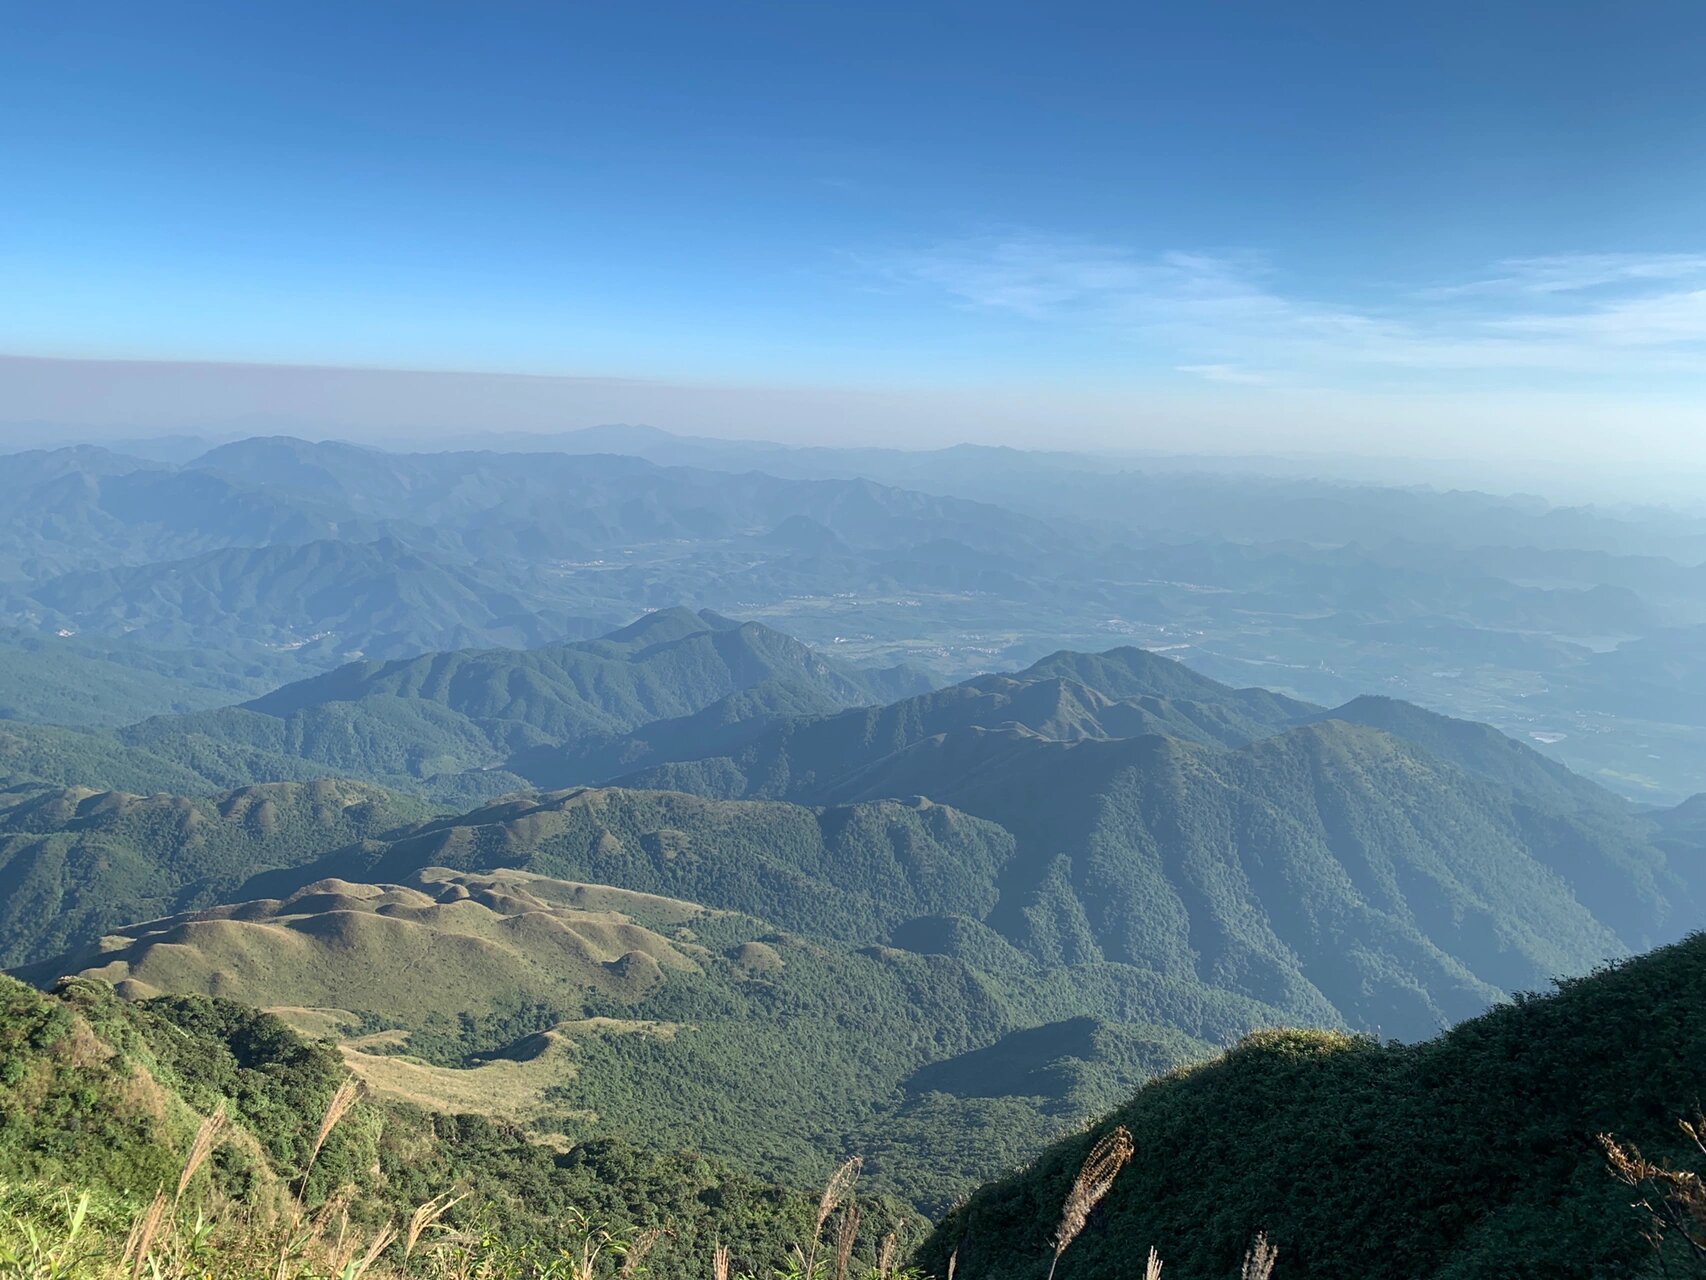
[590,1011]
[1403,880]
[1124,693]
[106,1097]
[407,721]
[662,664]
[1471,1155]
[1329,858]
[324,597]
[68,680]
[51,755]
[1143,815]
[1480,749]
[1112,847]
[76,862]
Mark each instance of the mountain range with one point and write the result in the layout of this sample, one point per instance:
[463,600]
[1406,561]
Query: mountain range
[1046,886]
[1376,865]
[289,557]
[630,814]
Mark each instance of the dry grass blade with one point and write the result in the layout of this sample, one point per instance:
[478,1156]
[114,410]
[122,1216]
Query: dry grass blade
[1152,1269]
[1094,1180]
[1259,1262]
[1696,1131]
[885,1255]
[206,1138]
[142,1234]
[635,1256]
[844,1239]
[837,1189]
[720,1262]
[343,1098]
[343,1250]
[1674,1199]
[380,1243]
[423,1217]
[953,1262]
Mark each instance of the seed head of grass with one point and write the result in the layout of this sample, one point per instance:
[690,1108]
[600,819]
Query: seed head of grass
[844,1238]
[142,1234]
[343,1098]
[206,1138]
[424,1217]
[837,1189]
[885,1255]
[381,1242]
[1095,1179]
[1259,1261]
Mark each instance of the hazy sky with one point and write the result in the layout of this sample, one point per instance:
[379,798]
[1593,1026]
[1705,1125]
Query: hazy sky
[1438,228]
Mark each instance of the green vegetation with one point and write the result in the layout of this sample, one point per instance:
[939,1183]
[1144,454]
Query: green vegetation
[1475,1154]
[71,681]
[852,873]
[427,720]
[594,1012]
[76,863]
[789,910]
[769,981]
[112,1097]
[304,555]
[1068,697]
[315,599]
[42,754]
[1330,869]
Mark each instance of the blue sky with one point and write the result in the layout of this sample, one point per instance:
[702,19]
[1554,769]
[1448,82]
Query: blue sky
[1227,221]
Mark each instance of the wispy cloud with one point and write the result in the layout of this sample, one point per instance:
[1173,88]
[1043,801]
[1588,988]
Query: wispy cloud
[1571,273]
[1235,318]
[1225,373]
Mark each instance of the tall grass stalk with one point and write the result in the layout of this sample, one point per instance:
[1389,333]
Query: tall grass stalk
[1095,1179]
[837,1189]
[1259,1261]
[206,1138]
[844,1238]
[343,1098]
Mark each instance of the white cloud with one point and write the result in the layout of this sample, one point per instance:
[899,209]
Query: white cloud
[1223,317]
[1566,273]
[1225,373]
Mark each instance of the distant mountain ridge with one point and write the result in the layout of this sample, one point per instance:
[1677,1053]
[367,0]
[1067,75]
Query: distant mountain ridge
[329,551]
[1398,867]
[1122,693]
[575,681]
[325,595]
[463,713]
[275,550]
[503,773]
[76,862]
